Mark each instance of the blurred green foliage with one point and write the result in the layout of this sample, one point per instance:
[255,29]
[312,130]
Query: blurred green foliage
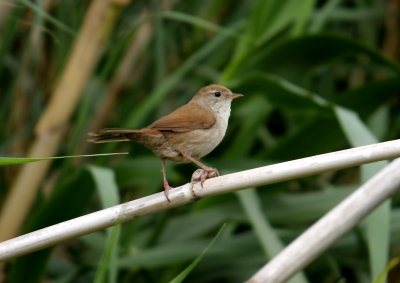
[317,76]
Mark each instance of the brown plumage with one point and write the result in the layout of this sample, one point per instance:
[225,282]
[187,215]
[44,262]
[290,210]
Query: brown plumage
[185,135]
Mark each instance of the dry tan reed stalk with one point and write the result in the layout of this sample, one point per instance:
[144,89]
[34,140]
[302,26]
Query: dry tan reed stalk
[83,58]
[124,73]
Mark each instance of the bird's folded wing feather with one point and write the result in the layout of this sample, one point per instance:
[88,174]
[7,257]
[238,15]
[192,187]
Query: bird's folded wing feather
[188,117]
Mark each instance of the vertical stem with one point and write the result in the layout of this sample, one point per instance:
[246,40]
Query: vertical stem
[50,128]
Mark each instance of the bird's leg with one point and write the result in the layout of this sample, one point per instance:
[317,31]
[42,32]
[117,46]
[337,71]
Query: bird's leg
[167,187]
[208,172]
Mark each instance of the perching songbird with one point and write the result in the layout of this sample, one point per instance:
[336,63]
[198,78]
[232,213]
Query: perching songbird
[185,135]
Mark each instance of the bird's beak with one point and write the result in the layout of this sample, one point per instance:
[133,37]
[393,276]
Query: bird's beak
[236,95]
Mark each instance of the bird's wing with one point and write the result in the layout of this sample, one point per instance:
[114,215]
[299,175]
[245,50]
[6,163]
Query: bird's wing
[188,117]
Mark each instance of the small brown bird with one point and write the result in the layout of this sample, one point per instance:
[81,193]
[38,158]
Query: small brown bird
[187,134]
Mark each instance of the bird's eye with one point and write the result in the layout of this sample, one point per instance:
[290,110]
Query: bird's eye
[217,94]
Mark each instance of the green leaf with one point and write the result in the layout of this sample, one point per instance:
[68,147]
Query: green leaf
[357,133]
[245,137]
[390,266]
[68,200]
[19,160]
[302,16]
[366,98]
[293,59]
[271,16]
[108,191]
[181,276]
[105,184]
[109,261]
[322,16]
[141,171]
[281,93]
[265,233]
[42,13]
[197,21]
[267,18]
[377,223]
[314,135]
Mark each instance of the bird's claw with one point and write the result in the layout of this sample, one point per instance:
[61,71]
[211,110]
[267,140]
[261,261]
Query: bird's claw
[167,187]
[201,175]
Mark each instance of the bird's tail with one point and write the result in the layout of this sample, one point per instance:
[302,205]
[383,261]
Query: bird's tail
[111,135]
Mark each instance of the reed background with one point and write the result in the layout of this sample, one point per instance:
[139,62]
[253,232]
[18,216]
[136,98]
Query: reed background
[317,76]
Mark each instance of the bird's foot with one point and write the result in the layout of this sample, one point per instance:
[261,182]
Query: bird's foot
[167,187]
[200,175]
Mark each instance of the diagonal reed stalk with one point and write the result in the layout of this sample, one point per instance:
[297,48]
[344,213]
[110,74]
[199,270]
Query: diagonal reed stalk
[187,193]
[333,225]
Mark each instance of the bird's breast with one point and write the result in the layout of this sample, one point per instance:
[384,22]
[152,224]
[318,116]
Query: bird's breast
[196,143]
[199,143]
